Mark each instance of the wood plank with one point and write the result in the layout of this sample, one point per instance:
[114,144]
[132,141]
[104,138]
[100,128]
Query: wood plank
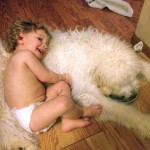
[70,14]
[72,137]
[81,145]
[143,100]
[121,138]
[98,142]
[49,140]
[146,143]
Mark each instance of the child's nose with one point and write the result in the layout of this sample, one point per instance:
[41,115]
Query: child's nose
[44,46]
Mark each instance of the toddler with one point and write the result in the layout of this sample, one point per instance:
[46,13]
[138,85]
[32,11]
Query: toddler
[35,106]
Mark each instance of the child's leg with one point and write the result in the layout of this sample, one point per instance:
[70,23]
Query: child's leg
[68,124]
[62,88]
[59,103]
[70,119]
[47,113]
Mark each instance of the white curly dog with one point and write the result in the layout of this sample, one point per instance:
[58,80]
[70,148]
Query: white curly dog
[104,69]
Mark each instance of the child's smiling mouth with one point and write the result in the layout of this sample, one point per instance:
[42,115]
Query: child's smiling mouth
[42,52]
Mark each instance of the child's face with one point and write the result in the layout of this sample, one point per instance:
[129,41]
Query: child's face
[35,41]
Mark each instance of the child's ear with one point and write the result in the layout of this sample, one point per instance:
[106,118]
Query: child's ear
[21,34]
[20,38]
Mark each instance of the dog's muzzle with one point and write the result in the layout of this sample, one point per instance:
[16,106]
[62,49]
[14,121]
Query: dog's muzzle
[123,99]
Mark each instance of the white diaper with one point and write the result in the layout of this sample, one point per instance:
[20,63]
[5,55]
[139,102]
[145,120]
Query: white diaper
[23,116]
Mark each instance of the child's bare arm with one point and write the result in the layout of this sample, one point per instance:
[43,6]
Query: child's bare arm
[67,78]
[41,72]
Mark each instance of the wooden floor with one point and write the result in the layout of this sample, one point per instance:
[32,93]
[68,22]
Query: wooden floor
[66,14]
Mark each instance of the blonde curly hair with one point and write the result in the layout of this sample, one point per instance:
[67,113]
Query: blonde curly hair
[20,25]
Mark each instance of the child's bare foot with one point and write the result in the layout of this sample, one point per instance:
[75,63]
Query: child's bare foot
[68,124]
[92,111]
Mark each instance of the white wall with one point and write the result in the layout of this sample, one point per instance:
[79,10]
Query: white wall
[143,26]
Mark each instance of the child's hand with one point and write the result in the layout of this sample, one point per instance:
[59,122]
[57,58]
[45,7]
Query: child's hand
[67,78]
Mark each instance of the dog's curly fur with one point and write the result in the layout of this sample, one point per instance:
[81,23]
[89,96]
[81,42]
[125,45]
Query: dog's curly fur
[101,65]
